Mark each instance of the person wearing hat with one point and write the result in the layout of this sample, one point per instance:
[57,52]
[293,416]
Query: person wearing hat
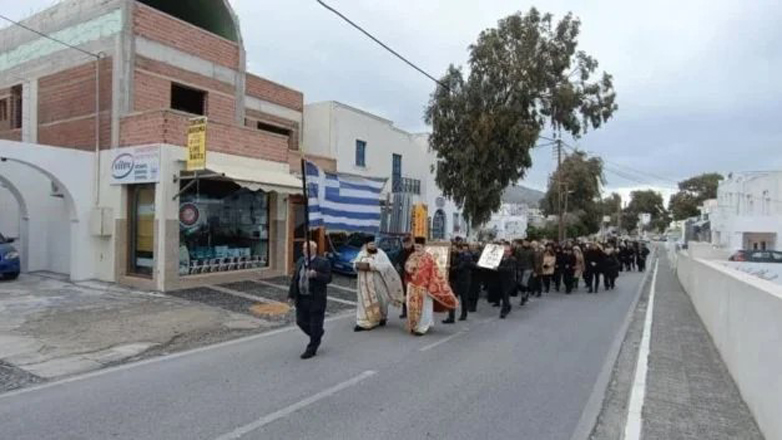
[425,286]
[378,284]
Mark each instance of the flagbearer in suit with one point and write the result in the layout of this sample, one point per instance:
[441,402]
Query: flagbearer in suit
[308,293]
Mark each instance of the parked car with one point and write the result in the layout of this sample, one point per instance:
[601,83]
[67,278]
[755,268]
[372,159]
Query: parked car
[342,255]
[9,259]
[757,256]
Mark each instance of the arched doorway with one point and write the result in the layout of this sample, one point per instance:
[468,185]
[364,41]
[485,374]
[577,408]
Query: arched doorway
[53,189]
[438,225]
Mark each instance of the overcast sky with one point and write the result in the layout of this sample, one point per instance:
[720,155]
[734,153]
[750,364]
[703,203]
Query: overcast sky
[697,81]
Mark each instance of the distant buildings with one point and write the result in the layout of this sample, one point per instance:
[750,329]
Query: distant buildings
[747,213]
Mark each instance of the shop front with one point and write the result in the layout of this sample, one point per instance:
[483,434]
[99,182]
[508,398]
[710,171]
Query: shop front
[226,223]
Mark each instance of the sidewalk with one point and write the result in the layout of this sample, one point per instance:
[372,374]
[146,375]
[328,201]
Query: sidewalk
[690,393]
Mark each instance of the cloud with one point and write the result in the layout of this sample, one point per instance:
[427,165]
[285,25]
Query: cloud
[696,80]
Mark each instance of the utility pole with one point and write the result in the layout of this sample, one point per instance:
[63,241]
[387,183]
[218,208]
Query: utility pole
[559,190]
[567,196]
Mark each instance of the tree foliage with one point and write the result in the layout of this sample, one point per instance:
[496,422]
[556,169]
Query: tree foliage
[611,206]
[692,193]
[649,202]
[581,178]
[524,75]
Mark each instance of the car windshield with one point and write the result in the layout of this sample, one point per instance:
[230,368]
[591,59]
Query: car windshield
[356,240]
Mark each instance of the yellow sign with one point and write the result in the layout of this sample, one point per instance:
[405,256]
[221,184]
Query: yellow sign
[420,221]
[196,144]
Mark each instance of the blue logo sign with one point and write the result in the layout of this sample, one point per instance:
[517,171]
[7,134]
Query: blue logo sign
[122,166]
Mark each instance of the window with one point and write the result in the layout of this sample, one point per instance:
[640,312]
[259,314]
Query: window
[456,223]
[222,227]
[273,129]
[16,107]
[396,171]
[361,152]
[3,109]
[188,100]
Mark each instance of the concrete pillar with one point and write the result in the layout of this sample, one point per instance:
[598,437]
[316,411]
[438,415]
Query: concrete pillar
[30,111]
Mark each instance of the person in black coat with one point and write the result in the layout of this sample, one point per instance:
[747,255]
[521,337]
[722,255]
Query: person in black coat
[643,254]
[462,266]
[476,280]
[610,269]
[493,287]
[507,280]
[308,292]
[559,267]
[593,262]
[568,263]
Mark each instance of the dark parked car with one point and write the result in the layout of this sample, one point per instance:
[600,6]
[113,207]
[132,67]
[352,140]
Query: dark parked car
[342,255]
[756,256]
[9,259]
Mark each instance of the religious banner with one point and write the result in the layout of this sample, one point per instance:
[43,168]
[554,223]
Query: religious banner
[196,144]
[420,221]
[491,256]
[441,251]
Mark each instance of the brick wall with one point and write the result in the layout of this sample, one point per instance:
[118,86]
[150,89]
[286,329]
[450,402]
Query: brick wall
[11,135]
[163,28]
[66,107]
[153,81]
[254,116]
[171,127]
[78,134]
[70,93]
[269,91]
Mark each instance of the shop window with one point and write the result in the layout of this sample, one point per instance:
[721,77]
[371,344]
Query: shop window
[222,227]
[142,230]
[188,100]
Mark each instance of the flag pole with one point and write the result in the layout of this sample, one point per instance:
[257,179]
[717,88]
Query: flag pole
[306,211]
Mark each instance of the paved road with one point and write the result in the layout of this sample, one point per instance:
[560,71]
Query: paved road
[527,377]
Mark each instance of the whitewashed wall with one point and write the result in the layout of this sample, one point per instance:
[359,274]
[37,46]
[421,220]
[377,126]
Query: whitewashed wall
[743,314]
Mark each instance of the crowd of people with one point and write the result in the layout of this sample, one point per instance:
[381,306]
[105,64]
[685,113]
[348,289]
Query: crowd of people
[413,281]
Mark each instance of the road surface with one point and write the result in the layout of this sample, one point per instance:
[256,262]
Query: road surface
[526,377]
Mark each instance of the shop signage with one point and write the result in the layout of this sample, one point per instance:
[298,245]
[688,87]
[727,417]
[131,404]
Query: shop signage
[189,215]
[196,144]
[135,165]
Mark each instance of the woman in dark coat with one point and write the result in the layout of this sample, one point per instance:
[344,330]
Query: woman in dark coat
[611,266]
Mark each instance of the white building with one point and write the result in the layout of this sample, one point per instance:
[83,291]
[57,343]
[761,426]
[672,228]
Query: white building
[510,222]
[368,145]
[749,211]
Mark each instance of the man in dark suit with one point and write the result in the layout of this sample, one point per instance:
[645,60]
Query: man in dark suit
[506,279]
[308,293]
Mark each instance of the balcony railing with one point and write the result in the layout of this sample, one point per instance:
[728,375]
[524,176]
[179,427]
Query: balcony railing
[406,185]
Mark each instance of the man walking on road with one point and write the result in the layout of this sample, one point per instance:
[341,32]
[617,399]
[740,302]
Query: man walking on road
[308,293]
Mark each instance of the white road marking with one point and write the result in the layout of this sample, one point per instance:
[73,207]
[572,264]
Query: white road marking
[442,341]
[165,358]
[285,288]
[638,394]
[288,410]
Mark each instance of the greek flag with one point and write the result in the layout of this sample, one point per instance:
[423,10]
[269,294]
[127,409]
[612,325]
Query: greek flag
[342,202]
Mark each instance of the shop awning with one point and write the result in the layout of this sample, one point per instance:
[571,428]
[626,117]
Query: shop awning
[254,178]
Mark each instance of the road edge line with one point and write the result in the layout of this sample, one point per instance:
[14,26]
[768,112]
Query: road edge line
[633,424]
[588,420]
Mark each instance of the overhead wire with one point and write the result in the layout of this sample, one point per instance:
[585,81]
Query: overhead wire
[383,45]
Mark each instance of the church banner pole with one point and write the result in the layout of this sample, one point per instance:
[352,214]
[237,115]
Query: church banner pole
[306,210]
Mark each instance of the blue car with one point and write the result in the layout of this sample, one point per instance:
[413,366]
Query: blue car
[342,255]
[9,259]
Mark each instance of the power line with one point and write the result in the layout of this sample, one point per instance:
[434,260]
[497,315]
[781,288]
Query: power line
[49,37]
[385,46]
